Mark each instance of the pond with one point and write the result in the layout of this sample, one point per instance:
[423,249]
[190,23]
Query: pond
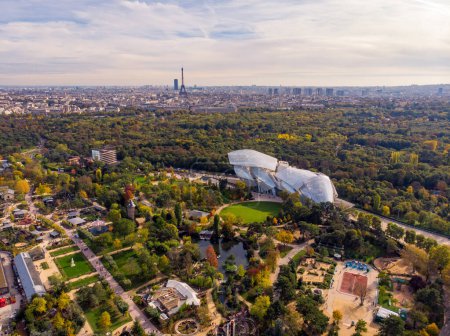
[225,249]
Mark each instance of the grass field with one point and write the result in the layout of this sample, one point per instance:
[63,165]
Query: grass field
[92,316]
[123,260]
[82,266]
[253,212]
[83,282]
[64,251]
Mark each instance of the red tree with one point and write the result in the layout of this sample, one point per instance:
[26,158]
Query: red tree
[211,256]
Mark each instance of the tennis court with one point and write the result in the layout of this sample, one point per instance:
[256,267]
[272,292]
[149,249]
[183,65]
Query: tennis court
[352,283]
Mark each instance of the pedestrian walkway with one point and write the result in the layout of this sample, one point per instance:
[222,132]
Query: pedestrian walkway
[134,310]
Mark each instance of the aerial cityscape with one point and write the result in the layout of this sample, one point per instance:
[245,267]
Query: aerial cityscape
[226,168]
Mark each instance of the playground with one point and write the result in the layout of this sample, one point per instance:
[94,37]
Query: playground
[315,271]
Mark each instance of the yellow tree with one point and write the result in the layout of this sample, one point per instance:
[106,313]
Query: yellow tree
[43,189]
[22,186]
[104,322]
[337,316]
[285,236]
[83,194]
[63,301]
[259,309]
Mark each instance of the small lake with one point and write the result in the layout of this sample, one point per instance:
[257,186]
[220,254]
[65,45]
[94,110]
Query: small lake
[225,249]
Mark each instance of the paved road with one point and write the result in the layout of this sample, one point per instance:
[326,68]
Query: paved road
[134,310]
[384,222]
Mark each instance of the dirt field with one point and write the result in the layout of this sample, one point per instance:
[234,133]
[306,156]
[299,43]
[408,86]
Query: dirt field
[403,295]
[394,265]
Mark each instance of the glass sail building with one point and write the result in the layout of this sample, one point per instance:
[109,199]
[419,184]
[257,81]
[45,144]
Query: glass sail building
[268,175]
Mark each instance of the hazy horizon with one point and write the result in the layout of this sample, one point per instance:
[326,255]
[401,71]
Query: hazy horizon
[224,43]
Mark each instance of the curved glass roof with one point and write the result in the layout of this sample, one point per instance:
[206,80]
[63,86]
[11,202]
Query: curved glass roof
[266,170]
[252,158]
[315,186]
[243,172]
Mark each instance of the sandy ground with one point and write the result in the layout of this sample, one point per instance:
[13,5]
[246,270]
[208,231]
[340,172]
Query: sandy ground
[45,274]
[403,295]
[394,265]
[307,264]
[349,305]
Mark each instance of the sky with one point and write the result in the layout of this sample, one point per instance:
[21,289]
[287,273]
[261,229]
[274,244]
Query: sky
[229,42]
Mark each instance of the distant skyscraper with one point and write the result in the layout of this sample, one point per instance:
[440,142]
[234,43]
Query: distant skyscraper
[175,84]
[182,89]
[270,91]
[440,91]
[329,92]
[319,92]
[297,91]
[275,92]
[308,91]
[340,93]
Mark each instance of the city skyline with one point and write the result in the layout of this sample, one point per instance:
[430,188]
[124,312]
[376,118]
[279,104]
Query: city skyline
[290,43]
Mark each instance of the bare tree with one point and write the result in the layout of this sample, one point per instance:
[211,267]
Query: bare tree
[361,292]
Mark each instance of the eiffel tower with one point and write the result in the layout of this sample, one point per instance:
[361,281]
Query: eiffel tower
[183,88]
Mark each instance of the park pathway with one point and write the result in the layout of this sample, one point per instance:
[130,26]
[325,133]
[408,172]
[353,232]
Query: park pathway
[134,310]
[285,260]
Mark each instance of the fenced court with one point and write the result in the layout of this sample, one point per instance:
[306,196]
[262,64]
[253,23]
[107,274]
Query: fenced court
[352,283]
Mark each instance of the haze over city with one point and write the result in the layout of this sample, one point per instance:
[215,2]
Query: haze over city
[286,42]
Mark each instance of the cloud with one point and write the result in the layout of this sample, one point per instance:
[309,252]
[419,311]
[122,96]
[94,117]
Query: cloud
[289,42]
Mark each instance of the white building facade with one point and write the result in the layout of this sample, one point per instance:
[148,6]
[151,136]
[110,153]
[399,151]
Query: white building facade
[268,175]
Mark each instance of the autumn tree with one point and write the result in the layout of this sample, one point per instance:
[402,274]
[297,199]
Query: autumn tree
[260,307]
[361,292]
[211,256]
[104,322]
[43,189]
[22,187]
[285,236]
[440,257]
[418,258]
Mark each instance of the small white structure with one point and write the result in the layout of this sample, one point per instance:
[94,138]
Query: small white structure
[384,313]
[169,299]
[77,221]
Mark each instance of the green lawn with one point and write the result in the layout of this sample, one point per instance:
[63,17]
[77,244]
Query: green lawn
[82,266]
[125,261]
[122,258]
[64,251]
[253,212]
[92,316]
[384,296]
[83,282]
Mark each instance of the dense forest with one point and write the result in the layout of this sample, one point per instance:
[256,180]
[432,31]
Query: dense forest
[388,159]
